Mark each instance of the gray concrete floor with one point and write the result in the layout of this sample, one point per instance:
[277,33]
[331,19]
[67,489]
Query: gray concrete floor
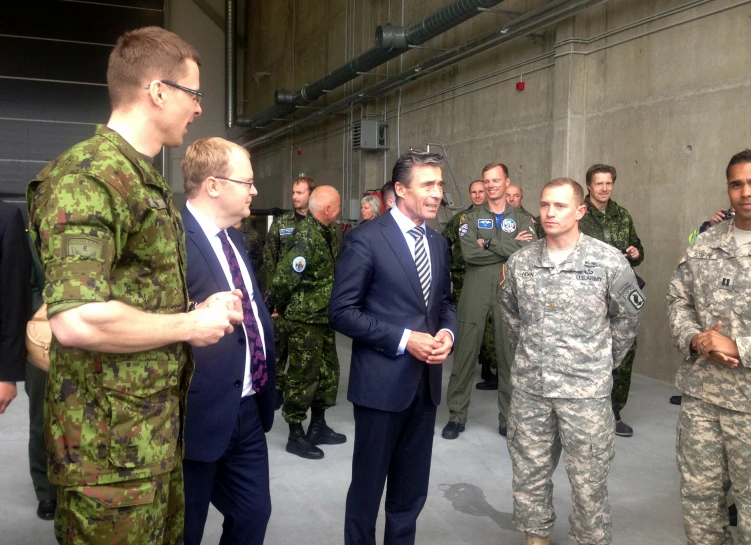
[469,499]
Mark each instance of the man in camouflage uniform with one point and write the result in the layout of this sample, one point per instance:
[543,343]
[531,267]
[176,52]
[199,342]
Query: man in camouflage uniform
[572,307]
[458,270]
[254,247]
[302,289]
[276,246]
[489,235]
[113,250]
[708,306]
[608,222]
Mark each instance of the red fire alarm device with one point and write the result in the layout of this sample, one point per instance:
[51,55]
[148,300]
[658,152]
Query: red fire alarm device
[520,85]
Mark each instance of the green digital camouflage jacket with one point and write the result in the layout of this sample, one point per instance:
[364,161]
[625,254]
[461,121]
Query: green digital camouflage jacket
[276,241]
[305,276]
[105,228]
[615,226]
[451,234]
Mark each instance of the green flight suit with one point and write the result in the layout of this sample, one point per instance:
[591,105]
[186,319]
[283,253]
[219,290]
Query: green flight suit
[478,299]
[301,289]
[615,226]
[486,358]
[105,228]
[276,243]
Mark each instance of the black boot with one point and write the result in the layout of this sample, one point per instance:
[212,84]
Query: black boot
[489,379]
[300,445]
[320,434]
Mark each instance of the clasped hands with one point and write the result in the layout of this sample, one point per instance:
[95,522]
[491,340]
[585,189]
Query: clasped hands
[716,347]
[425,347]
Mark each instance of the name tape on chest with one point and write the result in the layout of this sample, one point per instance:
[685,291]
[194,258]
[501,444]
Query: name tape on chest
[463,230]
[508,225]
[299,264]
[484,224]
[287,231]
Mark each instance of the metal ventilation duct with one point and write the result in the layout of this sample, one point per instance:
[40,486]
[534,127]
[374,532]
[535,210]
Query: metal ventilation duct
[390,43]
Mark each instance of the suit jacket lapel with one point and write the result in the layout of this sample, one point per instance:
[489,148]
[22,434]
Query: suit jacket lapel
[395,239]
[196,234]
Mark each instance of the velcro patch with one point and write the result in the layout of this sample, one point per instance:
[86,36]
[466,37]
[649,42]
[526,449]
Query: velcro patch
[159,204]
[81,246]
[287,231]
[463,230]
[636,299]
[299,263]
[508,225]
[484,224]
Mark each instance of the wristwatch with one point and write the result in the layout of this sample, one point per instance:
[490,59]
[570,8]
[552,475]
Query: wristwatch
[486,243]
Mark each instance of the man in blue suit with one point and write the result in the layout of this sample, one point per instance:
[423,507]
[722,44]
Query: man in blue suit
[232,394]
[392,296]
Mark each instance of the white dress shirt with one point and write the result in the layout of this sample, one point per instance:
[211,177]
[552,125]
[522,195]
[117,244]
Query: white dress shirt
[405,225]
[212,233]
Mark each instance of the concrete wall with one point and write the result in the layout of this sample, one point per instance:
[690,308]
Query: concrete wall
[658,88]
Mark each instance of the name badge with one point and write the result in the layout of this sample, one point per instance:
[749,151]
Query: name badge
[484,224]
[287,231]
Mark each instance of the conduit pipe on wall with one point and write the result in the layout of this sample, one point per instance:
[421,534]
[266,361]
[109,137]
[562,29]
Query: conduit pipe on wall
[390,43]
[535,20]
[230,63]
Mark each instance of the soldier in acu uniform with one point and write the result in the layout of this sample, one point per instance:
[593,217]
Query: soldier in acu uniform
[458,270]
[709,300]
[301,289]
[276,247]
[573,307]
[113,250]
[490,234]
[605,220]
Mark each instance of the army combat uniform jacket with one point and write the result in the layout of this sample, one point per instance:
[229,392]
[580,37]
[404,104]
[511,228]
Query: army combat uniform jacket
[570,324]
[713,283]
[305,276]
[105,228]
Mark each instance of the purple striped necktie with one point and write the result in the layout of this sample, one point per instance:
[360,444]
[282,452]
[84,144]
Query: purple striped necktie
[258,371]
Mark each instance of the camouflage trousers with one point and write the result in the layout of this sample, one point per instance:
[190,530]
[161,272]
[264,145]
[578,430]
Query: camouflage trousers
[313,372]
[281,338]
[713,449]
[622,380]
[131,512]
[487,349]
[538,429]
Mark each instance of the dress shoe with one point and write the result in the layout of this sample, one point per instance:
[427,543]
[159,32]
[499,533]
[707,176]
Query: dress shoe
[487,385]
[733,515]
[621,428]
[298,444]
[452,430]
[46,509]
[320,434]
[676,400]
[503,430]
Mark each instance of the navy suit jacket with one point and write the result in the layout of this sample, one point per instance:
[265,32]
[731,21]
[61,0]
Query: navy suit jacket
[377,295]
[214,396]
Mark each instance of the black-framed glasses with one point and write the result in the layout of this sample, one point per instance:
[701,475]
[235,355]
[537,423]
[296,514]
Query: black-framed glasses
[197,95]
[236,181]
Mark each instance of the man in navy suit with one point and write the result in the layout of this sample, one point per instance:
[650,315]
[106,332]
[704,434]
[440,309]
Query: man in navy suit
[392,296]
[232,394]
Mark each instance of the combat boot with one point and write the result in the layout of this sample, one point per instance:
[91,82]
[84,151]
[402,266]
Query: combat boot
[300,445]
[320,434]
[536,540]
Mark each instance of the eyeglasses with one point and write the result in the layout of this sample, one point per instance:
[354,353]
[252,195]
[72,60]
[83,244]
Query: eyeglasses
[197,95]
[236,181]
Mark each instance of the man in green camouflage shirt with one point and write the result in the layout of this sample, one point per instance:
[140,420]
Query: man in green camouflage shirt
[254,247]
[112,247]
[708,307]
[605,220]
[458,270]
[276,244]
[301,289]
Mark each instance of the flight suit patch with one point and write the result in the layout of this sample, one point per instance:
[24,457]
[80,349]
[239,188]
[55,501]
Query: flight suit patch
[508,225]
[463,230]
[484,224]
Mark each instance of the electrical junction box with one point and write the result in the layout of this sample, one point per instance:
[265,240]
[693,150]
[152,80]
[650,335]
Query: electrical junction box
[370,134]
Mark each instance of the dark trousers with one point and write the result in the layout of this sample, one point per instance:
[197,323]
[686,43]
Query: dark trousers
[237,484]
[396,446]
[36,382]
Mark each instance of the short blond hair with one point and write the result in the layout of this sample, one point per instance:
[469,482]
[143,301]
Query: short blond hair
[207,157]
[570,182]
[144,54]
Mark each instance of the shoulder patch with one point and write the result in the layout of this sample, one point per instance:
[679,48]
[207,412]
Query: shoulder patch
[508,225]
[287,231]
[484,224]
[299,263]
[463,218]
[82,246]
[636,299]
[463,229]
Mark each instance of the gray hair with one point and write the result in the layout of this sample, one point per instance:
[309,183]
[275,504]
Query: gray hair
[404,165]
[374,203]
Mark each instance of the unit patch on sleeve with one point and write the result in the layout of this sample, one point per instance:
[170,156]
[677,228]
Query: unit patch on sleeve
[508,225]
[299,263]
[636,299]
[463,230]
